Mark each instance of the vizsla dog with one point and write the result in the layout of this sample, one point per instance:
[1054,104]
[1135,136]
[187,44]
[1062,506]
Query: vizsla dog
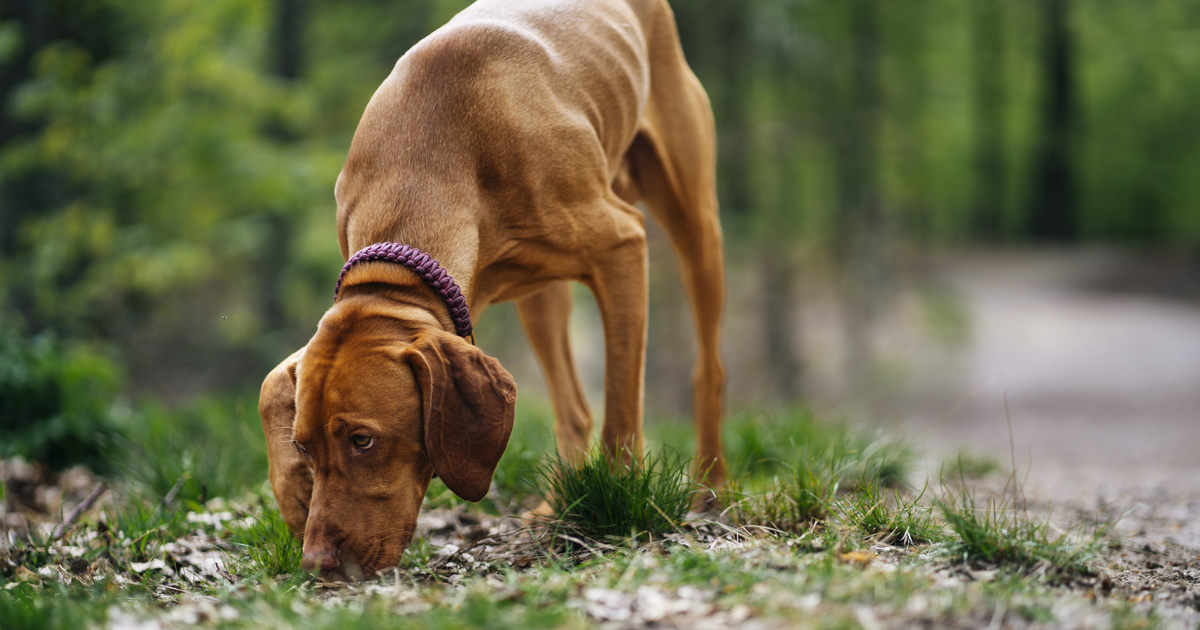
[499,161]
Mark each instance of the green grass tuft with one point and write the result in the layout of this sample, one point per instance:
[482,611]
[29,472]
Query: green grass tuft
[790,502]
[886,515]
[146,525]
[418,554]
[993,534]
[769,444]
[811,464]
[605,498]
[270,548]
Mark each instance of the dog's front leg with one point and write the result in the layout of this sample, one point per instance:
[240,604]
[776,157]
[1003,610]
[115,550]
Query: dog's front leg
[619,283]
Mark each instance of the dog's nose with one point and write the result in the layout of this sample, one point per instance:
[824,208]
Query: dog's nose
[321,556]
[315,561]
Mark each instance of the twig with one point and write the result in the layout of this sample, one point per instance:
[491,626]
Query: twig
[74,514]
[174,491]
[595,552]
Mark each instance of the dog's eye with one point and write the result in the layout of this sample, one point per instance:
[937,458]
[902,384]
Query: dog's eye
[301,450]
[363,442]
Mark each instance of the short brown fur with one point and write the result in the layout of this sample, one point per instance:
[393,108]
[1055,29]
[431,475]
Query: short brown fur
[509,145]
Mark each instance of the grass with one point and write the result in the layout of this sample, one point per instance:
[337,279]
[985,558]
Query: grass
[993,534]
[970,466]
[760,445]
[792,475]
[790,502]
[31,606]
[214,445]
[516,476]
[766,580]
[887,516]
[832,492]
[145,525]
[607,498]
[268,546]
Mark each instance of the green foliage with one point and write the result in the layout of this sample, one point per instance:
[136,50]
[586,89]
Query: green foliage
[183,165]
[760,445]
[164,189]
[604,497]
[213,445]
[55,406]
[834,447]
[270,548]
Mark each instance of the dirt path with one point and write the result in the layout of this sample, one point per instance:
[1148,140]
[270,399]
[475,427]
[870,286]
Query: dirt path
[1102,380]
[1101,372]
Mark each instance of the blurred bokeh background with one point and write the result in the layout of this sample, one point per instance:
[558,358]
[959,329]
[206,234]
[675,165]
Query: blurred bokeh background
[927,204]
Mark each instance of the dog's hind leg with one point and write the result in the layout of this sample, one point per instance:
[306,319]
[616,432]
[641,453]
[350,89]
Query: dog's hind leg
[545,316]
[673,159]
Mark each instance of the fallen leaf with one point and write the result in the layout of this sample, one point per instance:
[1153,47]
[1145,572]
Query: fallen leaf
[857,557]
[24,574]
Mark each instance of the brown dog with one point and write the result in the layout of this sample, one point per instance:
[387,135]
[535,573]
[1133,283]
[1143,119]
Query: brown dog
[510,145]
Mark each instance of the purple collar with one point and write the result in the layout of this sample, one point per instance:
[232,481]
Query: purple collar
[423,264]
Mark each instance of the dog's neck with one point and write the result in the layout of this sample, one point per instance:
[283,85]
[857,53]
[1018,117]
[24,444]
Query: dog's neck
[406,294]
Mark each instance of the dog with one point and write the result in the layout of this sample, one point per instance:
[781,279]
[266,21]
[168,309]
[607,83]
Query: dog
[505,152]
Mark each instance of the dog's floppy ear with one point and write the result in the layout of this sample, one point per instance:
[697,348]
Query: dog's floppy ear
[469,401]
[291,479]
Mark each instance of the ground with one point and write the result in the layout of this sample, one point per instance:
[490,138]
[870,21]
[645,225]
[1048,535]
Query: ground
[1094,359]
[1081,370]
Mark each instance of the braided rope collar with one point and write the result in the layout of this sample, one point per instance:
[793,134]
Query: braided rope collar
[429,270]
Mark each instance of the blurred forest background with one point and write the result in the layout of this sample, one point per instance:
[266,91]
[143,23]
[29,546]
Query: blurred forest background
[167,168]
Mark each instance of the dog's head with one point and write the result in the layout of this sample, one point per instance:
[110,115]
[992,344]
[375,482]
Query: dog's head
[381,406]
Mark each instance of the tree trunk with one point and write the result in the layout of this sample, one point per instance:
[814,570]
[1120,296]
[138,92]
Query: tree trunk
[785,378]
[289,37]
[988,121]
[31,15]
[287,63]
[732,107]
[858,240]
[1052,207]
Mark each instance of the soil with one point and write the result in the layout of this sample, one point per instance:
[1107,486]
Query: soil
[1093,359]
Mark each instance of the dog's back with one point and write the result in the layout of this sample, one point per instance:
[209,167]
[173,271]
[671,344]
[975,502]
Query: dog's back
[536,100]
